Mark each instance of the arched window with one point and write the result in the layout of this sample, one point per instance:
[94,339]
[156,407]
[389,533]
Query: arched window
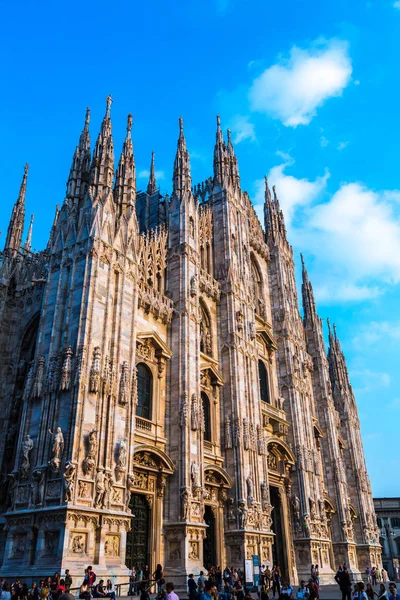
[207,417]
[145,391]
[264,382]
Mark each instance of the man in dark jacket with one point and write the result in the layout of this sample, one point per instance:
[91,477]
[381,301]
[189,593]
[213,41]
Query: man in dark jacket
[343,579]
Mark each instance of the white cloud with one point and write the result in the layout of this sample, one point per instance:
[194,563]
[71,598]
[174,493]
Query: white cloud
[292,89]
[370,380]
[292,192]
[243,129]
[353,235]
[145,174]
[342,145]
[396,4]
[323,142]
[375,331]
[395,403]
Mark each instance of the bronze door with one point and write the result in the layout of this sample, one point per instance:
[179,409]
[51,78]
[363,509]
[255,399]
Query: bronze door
[137,540]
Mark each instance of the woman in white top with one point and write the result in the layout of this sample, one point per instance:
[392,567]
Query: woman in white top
[5,592]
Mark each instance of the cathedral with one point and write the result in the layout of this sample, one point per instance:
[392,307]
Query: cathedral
[164,400]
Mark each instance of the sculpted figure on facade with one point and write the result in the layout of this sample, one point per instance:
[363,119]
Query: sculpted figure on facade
[99,486]
[57,449]
[90,460]
[26,448]
[69,478]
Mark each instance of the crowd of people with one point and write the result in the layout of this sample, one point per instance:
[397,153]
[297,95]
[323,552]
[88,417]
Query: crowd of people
[228,584]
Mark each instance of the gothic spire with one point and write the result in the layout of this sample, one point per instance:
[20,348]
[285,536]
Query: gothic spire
[273,216]
[220,156]
[125,186]
[152,185]
[309,308]
[28,242]
[16,225]
[53,228]
[337,364]
[233,163]
[80,167]
[182,181]
[102,170]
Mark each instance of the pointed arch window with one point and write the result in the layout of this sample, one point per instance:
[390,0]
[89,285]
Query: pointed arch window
[257,290]
[144,391]
[264,382]
[207,417]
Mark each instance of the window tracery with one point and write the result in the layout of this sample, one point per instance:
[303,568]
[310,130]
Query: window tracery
[144,392]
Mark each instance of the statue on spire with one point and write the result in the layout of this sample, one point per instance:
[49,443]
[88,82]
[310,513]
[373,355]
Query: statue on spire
[16,225]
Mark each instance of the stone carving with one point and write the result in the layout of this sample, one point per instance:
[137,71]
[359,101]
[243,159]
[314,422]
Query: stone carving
[122,456]
[78,544]
[124,388]
[295,502]
[195,475]
[238,433]
[66,370]
[272,462]
[53,489]
[313,512]
[69,478]
[228,433]
[306,524]
[18,546]
[38,488]
[321,505]
[250,490]
[246,433]
[80,364]
[29,383]
[134,388]
[39,378]
[108,483]
[111,545]
[261,446]
[184,411]
[57,449]
[193,285]
[50,542]
[193,550]
[83,489]
[243,513]
[26,449]
[161,484]
[12,489]
[94,378]
[89,462]
[185,504]
[116,496]
[264,495]
[194,413]
[99,489]
[23,494]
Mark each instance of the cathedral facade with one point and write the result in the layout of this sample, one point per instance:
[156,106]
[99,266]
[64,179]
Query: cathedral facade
[163,399]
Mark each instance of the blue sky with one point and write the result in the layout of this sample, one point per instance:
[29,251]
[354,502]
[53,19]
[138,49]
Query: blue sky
[310,90]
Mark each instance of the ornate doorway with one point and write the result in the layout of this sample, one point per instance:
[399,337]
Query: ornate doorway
[209,544]
[278,551]
[137,542]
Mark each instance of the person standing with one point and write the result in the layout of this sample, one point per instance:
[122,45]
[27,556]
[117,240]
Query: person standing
[276,581]
[201,582]
[343,579]
[68,580]
[192,587]
[393,595]
[171,595]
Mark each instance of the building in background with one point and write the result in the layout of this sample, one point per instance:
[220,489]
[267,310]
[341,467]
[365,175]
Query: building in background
[388,519]
[162,399]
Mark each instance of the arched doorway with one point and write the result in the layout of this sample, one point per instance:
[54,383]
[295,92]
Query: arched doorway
[147,482]
[137,539]
[209,543]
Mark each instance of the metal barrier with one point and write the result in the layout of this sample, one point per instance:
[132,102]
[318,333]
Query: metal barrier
[118,586]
